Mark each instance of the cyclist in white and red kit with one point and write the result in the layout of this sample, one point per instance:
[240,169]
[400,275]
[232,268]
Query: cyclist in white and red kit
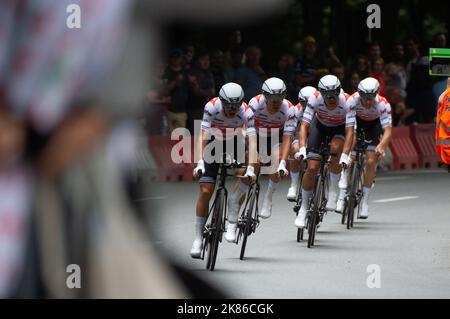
[326,116]
[275,123]
[223,120]
[373,116]
[295,166]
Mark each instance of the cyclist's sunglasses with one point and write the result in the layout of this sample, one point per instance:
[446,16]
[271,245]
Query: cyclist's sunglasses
[331,93]
[231,106]
[368,96]
[275,98]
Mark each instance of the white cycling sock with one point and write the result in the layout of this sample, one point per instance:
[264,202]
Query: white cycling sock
[271,189]
[366,193]
[342,194]
[305,199]
[334,180]
[233,202]
[344,177]
[199,224]
[236,195]
[294,178]
[242,188]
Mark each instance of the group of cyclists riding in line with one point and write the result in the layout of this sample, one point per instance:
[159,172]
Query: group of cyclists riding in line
[323,114]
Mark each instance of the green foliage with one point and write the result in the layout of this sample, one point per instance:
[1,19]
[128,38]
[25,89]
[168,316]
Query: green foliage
[356,4]
[432,26]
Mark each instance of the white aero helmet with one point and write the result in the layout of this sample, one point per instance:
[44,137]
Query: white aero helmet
[305,93]
[329,85]
[231,96]
[368,88]
[274,87]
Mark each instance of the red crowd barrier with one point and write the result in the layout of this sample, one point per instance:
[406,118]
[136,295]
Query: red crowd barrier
[422,136]
[412,147]
[405,155]
[168,171]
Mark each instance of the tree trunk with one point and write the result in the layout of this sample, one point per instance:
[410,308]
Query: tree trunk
[389,16]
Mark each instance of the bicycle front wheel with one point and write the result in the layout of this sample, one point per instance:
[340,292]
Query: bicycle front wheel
[216,230]
[314,216]
[351,196]
[299,204]
[248,221]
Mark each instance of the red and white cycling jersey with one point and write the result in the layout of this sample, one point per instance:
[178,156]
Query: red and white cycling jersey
[381,109]
[285,119]
[338,116]
[299,115]
[214,118]
[299,112]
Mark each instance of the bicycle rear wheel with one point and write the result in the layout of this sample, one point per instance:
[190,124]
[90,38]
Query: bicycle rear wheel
[344,211]
[344,215]
[299,234]
[351,196]
[360,192]
[216,230]
[299,204]
[248,220]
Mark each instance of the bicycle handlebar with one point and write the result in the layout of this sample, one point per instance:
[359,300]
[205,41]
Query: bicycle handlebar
[235,164]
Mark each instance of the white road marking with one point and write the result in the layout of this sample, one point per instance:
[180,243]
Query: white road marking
[151,198]
[420,171]
[392,178]
[395,199]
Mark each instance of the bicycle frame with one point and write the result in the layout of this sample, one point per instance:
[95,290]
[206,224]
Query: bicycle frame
[298,202]
[321,182]
[249,219]
[355,193]
[318,200]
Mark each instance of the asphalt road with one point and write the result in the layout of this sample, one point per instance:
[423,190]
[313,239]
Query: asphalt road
[407,237]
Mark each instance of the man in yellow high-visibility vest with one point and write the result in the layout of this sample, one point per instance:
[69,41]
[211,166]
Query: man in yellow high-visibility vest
[443,126]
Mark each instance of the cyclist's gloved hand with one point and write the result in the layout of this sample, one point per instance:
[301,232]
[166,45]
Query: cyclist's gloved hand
[250,173]
[379,150]
[282,170]
[345,160]
[301,154]
[200,169]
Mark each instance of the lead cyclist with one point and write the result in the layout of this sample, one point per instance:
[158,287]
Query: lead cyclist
[223,118]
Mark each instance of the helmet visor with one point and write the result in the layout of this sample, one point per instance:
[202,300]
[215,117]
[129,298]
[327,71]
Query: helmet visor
[275,98]
[231,106]
[368,96]
[330,93]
